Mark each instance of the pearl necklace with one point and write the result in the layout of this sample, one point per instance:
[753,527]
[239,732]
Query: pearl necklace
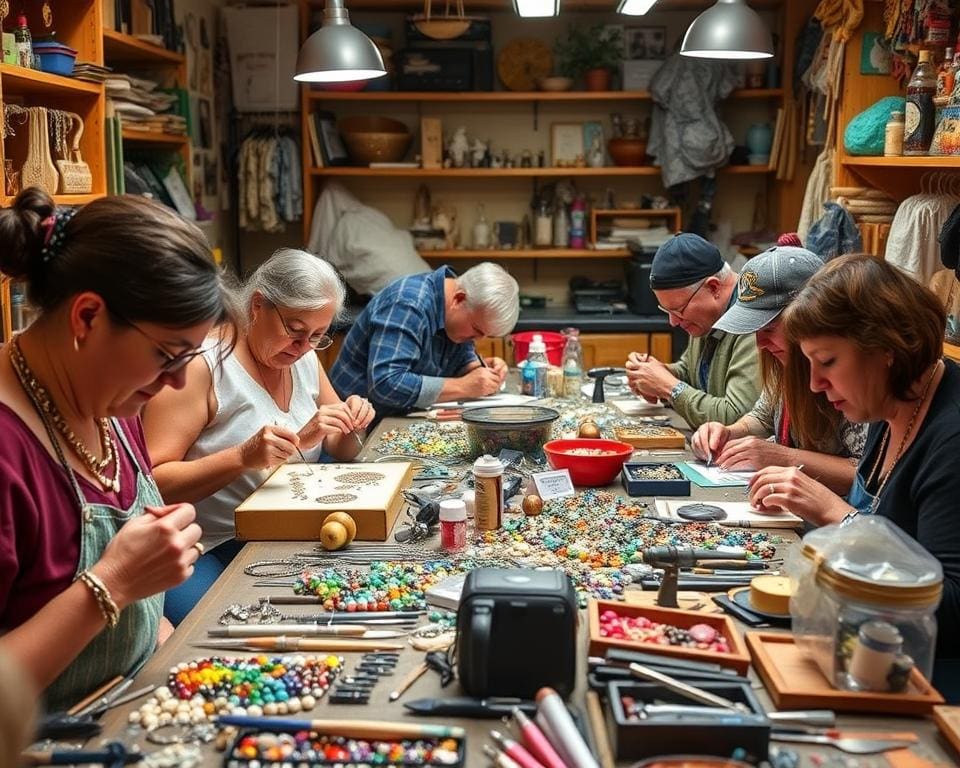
[51,415]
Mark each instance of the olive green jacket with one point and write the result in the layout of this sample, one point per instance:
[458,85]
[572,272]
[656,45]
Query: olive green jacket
[733,381]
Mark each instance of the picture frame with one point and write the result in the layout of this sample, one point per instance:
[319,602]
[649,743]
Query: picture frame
[176,188]
[645,43]
[566,145]
[593,144]
[334,152]
[875,55]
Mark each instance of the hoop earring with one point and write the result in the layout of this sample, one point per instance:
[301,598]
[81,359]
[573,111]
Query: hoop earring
[76,344]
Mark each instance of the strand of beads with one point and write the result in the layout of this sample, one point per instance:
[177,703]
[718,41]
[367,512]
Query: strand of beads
[389,586]
[258,685]
[312,749]
[428,439]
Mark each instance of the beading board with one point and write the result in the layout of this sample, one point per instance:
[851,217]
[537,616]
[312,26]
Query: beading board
[649,436]
[291,504]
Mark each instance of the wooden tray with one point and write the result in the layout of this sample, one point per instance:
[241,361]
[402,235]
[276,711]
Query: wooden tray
[948,721]
[651,437]
[794,681]
[738,658]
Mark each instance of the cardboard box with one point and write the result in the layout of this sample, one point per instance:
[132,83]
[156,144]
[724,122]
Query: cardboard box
[431,142]
[273,513]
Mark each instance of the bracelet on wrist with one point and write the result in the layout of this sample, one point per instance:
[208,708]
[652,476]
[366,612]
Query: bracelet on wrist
[105,601]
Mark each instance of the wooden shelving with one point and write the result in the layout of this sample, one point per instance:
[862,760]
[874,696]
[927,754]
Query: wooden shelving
[932,162]
[20,81]
[513,96]
[572,5]
[522,173]
[152,138]
[526,253]
[121,48]
[6,200]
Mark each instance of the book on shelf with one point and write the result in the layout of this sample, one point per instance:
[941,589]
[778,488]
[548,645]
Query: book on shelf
[778,136]
[314,143]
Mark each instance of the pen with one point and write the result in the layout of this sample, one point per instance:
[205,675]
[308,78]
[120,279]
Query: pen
[479,359]
[466,706]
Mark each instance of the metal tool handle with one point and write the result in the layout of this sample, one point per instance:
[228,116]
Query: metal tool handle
[821,718]
[684,689]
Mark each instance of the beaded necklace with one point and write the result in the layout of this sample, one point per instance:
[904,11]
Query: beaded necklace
[51,416]
[903,442]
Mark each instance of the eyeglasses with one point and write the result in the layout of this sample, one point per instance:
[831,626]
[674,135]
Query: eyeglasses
[171,363]
[679,312]
[318,341]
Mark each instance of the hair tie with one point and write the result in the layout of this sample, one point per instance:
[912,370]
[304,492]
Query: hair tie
[54,233]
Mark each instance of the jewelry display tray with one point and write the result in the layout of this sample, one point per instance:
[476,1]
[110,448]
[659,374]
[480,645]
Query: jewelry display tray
[636,486]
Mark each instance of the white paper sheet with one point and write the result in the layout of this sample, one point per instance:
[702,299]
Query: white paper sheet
[737,512]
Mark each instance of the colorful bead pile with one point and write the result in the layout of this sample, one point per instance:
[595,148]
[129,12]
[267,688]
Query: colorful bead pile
[259,685]
[640,629]
[309,748]
[572,414]
[427,439]
[387,587]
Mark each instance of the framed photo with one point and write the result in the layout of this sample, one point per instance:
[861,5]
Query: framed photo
[566,144]
[645,42]
[334,152]
[875,55]
[593,151]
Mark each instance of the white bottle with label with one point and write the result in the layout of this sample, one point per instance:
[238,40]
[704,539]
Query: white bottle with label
[534,375]
[488,485]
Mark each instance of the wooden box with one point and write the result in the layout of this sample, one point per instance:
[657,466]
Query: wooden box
[794,681]
[273,512]
[737,659]
[651,436]
[431,142]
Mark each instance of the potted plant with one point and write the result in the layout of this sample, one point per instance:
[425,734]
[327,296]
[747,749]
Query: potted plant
[592,52]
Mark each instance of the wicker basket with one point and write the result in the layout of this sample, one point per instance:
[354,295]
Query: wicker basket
[75,175]
[38,169]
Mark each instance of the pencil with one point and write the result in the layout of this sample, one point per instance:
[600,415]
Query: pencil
[412,676]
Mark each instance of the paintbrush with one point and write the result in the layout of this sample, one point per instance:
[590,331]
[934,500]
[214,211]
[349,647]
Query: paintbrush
[284,643]
[310,630]
[351,729]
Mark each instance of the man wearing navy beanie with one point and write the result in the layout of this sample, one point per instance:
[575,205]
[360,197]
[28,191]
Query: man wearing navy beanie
[717,378]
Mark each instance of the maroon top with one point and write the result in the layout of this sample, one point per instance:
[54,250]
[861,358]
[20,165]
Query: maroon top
[40,515]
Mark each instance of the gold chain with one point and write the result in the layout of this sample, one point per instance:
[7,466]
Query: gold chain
[903,442]
[50,413]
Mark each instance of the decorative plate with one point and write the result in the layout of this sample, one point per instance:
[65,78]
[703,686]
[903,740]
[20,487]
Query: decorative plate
[524,62]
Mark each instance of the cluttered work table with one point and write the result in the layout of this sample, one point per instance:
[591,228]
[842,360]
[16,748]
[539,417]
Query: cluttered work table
[236,592]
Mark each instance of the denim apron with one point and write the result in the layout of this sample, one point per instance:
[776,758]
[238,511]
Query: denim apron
[859,497]
[125,648]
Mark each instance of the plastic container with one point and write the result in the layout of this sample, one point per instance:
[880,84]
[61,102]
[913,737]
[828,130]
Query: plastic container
[533,375]
[592,469]
[865,604]
[488,484]
[55,58]
[553,341]
[572,364]
[523,428]
[453,525]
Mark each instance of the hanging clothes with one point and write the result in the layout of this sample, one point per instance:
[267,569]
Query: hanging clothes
[913,244]
[269,180]
[687,137]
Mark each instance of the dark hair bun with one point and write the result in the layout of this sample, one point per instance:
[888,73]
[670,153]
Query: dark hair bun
[21,233]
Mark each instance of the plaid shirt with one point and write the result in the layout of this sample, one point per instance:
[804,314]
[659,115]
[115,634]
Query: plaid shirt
[397,352]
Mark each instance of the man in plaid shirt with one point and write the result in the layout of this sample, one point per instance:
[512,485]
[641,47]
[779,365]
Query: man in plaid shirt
[412,345]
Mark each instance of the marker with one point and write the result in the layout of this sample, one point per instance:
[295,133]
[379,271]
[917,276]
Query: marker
[536,742]
[515,751]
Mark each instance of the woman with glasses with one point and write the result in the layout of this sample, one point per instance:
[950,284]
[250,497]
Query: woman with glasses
[239,416]
[126,293]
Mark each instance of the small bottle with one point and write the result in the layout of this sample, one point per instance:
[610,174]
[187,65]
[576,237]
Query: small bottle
[572,363]
[23,42]
[488,485]
[543,229]
[920,118]
[578,223]
[561,227]
[893,135]
[946,75]
[453,525]
[534,375]
[481,231]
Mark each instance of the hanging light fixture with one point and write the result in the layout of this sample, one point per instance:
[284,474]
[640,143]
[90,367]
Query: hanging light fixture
[338,52]
[728,30]
[635,7]
[531,9]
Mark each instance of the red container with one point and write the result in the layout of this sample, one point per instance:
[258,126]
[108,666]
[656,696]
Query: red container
[589,470]
[552,340]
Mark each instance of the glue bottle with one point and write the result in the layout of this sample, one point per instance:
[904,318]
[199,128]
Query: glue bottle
[534,376]
[488,484]
[453,525]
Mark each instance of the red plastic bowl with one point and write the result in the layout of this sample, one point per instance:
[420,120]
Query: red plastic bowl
[588,470]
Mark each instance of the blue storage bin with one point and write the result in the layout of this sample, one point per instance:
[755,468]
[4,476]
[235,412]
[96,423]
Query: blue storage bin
[55,58]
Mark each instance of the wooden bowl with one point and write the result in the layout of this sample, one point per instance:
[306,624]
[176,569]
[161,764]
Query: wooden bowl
[628,151]
[555,84]
[375,139]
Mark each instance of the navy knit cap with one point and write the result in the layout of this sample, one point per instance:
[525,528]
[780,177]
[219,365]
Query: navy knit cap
[682,261]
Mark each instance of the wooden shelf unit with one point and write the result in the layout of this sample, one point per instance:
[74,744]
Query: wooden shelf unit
[526,253]
[522,173]
[511,96]
[122,48]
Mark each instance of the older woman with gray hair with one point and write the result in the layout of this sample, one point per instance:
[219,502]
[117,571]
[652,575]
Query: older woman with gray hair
[215,440]
[413,345]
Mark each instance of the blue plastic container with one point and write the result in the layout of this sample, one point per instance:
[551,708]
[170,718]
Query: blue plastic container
[55,58]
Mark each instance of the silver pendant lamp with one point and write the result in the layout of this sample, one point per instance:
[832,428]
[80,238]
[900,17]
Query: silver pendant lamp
[338,52]
[728,30]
